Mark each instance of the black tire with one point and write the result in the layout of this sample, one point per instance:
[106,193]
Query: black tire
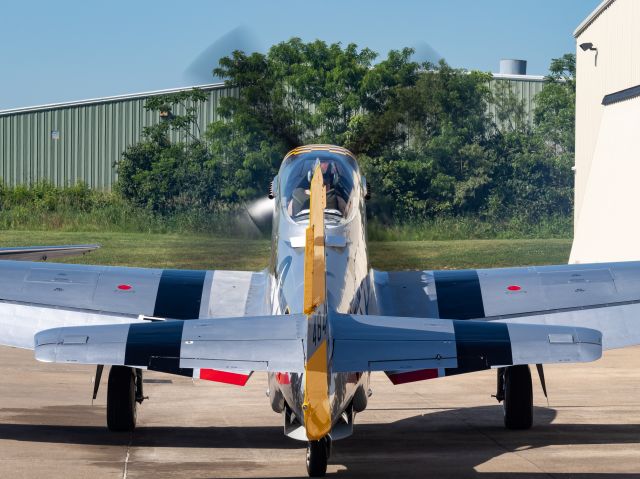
[317,457]
[277,400]
[121,399]
[518,398]
[360,400]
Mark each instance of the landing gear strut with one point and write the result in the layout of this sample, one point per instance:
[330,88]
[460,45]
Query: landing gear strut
[517,395]
[318,453]
[123,393]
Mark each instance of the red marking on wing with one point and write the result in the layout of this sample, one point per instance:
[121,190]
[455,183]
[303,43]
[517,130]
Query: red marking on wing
[283,378]
[224,377]
[124,287]
[514,287]
[412,376]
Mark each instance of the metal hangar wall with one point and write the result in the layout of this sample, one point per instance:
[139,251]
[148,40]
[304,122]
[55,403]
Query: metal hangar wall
[607,167]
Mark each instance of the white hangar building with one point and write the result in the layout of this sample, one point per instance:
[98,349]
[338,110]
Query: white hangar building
[607,167]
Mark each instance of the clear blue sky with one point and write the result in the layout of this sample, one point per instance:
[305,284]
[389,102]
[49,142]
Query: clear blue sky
[71,50]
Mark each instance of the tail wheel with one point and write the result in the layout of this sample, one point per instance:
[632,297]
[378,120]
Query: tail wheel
[518,398]
[121,399]
[317,456]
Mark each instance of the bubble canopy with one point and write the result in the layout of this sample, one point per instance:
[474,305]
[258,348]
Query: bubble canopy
[340,178]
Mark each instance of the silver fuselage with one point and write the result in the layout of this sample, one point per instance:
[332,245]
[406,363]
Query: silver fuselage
[348,284]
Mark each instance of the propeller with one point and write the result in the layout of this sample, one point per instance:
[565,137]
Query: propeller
[200,71]
[423,52]
[261,212]
[201,68]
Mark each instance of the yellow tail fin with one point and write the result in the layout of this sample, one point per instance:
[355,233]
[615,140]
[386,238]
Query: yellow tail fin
[314,259]
[317,413]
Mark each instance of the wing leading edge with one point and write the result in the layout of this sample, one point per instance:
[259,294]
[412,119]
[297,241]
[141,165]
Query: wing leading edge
[39,296]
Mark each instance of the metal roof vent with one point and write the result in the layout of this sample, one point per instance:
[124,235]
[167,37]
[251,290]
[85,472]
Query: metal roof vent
[513,67]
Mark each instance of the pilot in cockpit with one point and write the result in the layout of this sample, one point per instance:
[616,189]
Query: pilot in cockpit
[336,203]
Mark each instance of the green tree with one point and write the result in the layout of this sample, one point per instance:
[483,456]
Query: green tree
[529,182]
[246,160]
[423,133]
[312,92]
[533,177]
[443,165]
[171,167]
[555,110]
[301,93]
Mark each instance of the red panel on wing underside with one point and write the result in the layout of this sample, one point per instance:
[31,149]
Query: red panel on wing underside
[412,376]
[224,377]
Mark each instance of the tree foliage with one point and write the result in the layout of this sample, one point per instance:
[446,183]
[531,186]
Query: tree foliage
[171,167]
[461,160]
[310,92]
[433,140]
[556,105]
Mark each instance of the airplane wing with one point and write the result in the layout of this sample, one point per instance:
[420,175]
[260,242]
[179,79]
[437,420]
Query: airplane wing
[39,296]
[603,296]
[43,253]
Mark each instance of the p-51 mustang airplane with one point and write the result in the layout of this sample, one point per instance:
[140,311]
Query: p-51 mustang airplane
[318,321]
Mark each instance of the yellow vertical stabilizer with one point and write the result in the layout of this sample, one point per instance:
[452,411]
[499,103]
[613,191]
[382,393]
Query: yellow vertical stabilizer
[314,259]
[317,414]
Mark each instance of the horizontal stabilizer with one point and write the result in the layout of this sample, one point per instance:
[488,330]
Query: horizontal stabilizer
[43,253]
[259,343]
[383,343]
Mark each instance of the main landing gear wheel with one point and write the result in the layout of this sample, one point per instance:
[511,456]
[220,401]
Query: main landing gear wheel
[318,453]
[122,398]
[518,397]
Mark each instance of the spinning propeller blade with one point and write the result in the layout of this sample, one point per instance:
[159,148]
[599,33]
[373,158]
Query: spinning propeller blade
[201,69]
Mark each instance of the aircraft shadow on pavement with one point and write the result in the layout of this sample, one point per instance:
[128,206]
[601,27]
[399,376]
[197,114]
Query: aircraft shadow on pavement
[452,442]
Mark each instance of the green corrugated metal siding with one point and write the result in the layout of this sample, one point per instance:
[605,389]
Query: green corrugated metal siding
[93,135]
[525,90]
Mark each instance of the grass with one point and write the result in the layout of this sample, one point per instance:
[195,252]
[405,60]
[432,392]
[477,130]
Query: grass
[459,254]
[45,207]
[181,251]
[472,227]
[197,251]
